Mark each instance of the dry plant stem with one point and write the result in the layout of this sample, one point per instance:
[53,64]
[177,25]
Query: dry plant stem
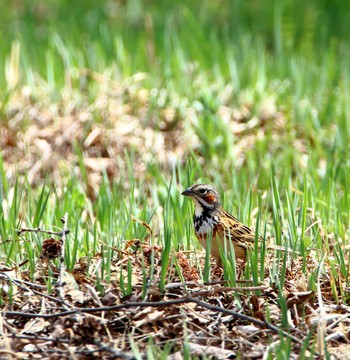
[335,323]
[321,328]
[218,290]
[62,267]
[19,283]
[176,285]
[260,323]
[113,248]
[4,276]
[214,289]
[62,233]
[40,338]
[143,223]
[116,354]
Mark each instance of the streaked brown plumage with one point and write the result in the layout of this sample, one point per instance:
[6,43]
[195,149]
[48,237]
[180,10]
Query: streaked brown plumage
[209,216]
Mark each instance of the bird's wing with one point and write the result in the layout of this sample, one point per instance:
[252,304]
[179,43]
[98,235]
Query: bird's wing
[237,231]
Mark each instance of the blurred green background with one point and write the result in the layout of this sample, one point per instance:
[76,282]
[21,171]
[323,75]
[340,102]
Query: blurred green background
[282,66]
[149,34]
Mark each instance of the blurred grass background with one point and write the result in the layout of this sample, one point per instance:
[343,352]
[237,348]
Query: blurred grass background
[231,38]
[294,53]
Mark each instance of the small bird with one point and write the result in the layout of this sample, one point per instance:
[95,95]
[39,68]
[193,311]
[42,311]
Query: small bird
[210,218]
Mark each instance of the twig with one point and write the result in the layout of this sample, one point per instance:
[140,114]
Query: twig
[246,318]
[62,233]
[335,323]
[214,290]
[113,248]
[18,283]
[5,277]
[223,289]
[40,338]
[218,290]
[175,285]
[263,324]
[116,353]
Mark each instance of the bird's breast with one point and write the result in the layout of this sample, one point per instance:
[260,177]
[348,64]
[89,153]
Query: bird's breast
[204,225]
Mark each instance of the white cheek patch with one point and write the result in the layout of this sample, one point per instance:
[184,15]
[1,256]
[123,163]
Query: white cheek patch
[197,208]
[199,205]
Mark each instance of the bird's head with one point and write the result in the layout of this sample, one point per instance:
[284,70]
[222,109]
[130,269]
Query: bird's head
[205,197]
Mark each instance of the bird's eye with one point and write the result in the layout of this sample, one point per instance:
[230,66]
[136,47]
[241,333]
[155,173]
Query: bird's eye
[203,191]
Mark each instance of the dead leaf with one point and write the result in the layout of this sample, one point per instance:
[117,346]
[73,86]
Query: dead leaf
[35,325]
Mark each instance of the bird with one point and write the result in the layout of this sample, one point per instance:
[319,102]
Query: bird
[210,219]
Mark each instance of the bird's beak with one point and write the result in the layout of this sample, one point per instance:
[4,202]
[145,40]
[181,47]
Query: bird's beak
[187,192]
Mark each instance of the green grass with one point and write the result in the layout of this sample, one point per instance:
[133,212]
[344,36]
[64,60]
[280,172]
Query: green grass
[280,159]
